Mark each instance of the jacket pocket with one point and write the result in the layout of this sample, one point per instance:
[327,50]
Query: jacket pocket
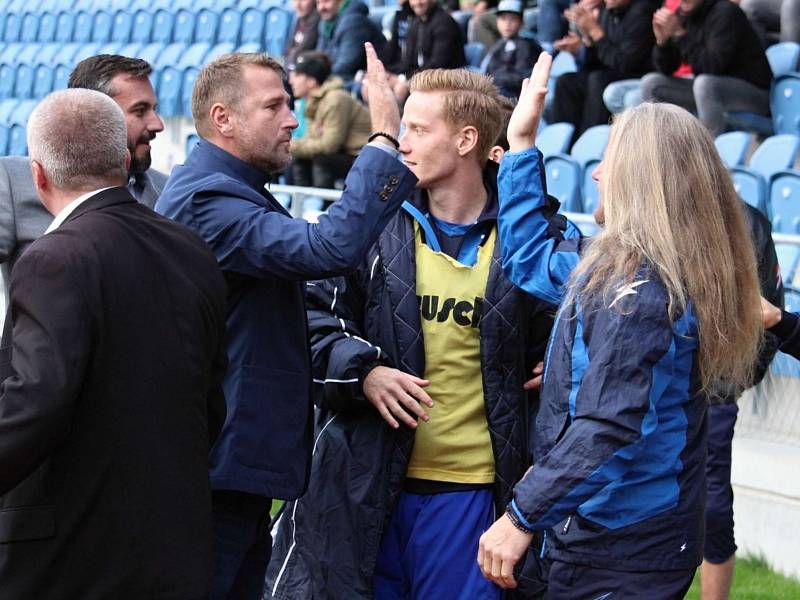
[27,523]
[271,419]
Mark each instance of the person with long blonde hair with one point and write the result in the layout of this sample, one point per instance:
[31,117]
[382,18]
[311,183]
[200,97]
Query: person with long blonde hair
[654,311]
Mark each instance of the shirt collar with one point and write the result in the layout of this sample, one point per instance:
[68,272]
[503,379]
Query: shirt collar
[245,171]
[70,208]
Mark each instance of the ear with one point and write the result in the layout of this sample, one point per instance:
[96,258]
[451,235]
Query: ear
[127,161]
[467,140]
[40,181]
[496,154]
[222,120]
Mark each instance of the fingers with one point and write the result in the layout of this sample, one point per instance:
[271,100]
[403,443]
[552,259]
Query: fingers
[375,70]
[387,416]
[541,72]
[532,384]
[507,575]
[416,391]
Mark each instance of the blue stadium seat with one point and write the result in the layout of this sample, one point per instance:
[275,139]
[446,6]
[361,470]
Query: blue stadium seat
[751,187]
[103,24]
[3,16]
[30,28]
[28,54]
[142,30]
[8,75]
[123,25]
[229,26]
[7,107]
[253,26]
[150,52]
[67,54]
[250,48]
[3,140]
[783,58]
[109,48]
[43,81]
[194,56]
[84,5]
[474,54]
[187,87]
[169,92]
[169,56]
[82,34]
[133,49]
[732,147]
[589,187]
[191,141]
[85,51]
[787,259]
[555,138]
[17,141]
[163,22]
[784,201]
[591,145]
[277,29]
[61,77]
[462,17]
[206,27]
[11,52]
[219,50]
[22,112]
[774,154]
[785,104]
[23,86]
[47,27]
[13,27]
[65,26]
[563,175]
[48,54]
[183,30]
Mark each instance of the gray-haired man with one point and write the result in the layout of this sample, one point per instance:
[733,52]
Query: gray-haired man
[111,373]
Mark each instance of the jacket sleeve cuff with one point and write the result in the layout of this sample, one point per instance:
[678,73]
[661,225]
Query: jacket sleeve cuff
[787,327]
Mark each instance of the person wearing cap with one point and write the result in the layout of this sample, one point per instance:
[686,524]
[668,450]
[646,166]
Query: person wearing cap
[337,125]
[512,57]
[613,42]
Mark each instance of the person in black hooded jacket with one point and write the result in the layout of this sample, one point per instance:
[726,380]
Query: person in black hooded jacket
[731,69]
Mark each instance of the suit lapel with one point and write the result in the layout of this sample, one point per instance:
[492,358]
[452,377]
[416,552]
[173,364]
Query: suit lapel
[109,197]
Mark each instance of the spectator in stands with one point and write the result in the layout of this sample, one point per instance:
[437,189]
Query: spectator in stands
[511,59]
[774,19]
[434,41]
[616,43]
[655,311]
[343,29]
[126,81]
[337,125]
[482,26]
[306,30]
[242,115]
[392,55]
[551,24]
[111,379]
[731,72]
[419,360]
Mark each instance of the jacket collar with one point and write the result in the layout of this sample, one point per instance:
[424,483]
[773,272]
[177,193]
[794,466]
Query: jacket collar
[210,157]
[104,199]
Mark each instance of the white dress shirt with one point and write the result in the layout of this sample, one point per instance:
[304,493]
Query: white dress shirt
[69,208]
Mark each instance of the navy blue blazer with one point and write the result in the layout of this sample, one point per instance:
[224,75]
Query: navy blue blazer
[266,256]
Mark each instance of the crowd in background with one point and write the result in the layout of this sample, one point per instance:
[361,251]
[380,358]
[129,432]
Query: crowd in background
[707,56]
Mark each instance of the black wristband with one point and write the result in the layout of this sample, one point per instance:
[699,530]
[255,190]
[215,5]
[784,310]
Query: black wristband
[515,520]
[388,136]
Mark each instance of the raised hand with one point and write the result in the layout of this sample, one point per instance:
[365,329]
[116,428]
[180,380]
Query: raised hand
[383,110]
[525,119]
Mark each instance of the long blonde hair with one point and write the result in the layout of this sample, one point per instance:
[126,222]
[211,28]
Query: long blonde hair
[669,201]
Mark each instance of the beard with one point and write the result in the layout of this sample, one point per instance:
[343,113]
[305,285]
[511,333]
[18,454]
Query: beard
[140,164]
[265,155]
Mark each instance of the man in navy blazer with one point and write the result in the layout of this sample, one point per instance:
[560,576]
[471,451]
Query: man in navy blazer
[241,112]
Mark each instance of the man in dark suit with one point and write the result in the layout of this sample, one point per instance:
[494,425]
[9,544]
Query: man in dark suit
[125,80]
[111,392]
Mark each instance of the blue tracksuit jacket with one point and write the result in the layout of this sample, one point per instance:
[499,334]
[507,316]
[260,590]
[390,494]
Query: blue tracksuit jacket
[620,448]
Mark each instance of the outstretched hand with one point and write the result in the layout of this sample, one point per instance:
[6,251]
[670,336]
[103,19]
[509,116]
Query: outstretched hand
[383,110]
[525,119]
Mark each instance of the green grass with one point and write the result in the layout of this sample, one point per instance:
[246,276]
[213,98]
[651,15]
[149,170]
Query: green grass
[754,580]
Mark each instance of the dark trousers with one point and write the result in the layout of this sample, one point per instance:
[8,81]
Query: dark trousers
[568,581]
[720,544]
[242,544]
[579,99]
[321,171]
